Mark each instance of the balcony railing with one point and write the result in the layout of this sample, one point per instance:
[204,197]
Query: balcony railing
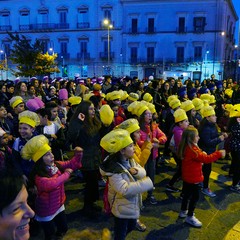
[83,55]
[134,30]
[83,25]
[151,30]
[6,28]
[104,55]
[181,30]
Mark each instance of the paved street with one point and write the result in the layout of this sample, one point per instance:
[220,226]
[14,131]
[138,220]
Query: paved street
[218,215]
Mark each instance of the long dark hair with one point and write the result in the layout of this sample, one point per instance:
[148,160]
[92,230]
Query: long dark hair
[92,126]
[142,123]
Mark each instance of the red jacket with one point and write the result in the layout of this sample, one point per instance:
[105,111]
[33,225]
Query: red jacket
[50,190]
[192,163]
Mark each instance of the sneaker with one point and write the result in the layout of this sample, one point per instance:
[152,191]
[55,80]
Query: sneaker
[183,214]
[208,192]
[140,226]
[193,221]
[170,188]
[152,200]
[235,188]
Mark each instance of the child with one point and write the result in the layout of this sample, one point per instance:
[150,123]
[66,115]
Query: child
[5,150]
[192,158]
[210,137]
[140,155]
[49,176]
[181,123]
[127,180]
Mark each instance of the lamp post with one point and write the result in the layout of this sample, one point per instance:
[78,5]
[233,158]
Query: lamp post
[206,54]
[109,26]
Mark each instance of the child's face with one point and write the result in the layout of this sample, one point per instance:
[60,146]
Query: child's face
[193,112]
[196,138]
[4,140]
[43,120]
[147,116]
[54,113]
[3,112]
[184,124]
[136,135]
[19,108]
[64,102]
[25,130]
[115,111]
[212,119]
[128,151]
[48,158]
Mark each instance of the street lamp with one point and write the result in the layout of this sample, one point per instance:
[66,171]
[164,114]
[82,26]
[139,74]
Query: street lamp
[206,55]
[5,63]
[109,26]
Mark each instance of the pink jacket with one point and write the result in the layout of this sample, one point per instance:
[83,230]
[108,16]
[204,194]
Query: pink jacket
[156,133]
[50,190]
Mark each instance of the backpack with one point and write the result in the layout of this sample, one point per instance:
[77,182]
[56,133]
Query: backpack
[106,204]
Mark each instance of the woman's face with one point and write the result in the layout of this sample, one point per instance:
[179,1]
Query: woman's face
[4,89]
[91,111]
[15,218]
[48,158]
[23,87]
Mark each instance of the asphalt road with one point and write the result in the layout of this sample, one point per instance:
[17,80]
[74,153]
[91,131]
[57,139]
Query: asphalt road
[219,215]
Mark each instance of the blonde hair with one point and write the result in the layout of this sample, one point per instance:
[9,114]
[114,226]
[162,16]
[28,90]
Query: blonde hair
[187,139]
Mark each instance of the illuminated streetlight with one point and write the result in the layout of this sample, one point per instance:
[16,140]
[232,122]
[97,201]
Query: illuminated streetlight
[109,26]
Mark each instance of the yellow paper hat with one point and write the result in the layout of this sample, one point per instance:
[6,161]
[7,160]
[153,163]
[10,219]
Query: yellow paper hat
[151,107]
[198,103]
[111,96]
[174,103]
[87,96]
[133,96]
[180,115]
[132,107]
[228,92]
[123,95]
[147,97]
[205,96]
[228,107]
[207,111]
[116,140]
[212,99]
[35,148]
[106,114]
[170,98]
[75,100]
[235,111]
[14,101]
[131,125]
[29,117]
[187,105]
[141,108]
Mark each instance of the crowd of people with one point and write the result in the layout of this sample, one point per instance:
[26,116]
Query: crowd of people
[119,130]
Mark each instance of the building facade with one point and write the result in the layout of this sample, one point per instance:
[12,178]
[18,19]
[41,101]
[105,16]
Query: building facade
[192,38]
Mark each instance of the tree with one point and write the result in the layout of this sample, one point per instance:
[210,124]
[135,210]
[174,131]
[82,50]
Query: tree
[30,59]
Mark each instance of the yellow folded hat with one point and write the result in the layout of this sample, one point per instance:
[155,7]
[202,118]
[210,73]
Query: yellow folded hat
[116,140]
[207,111]
[35,148]
[174,103]
[141,108]
[131,125]
[106,114]
[14,101]
[170,98]
[29,117]
[235,111]
[187,105]
[133,96]
[147,97]
[198,103]
[75,100]
[179,115]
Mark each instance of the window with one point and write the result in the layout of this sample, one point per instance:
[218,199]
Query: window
[63,17]
[83,49]
[44,43]
[5,20]
[24,21]
[63,47]
[181,25]
[107,14]
[199,24]
[42,16]
[83,21]
[150,54]
[133,54]
[151,25]
[198,53]
[134,25]
[180,54]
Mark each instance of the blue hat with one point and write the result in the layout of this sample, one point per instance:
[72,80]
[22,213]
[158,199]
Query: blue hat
[182,91]
[192,92]
[203,90]
[219,84]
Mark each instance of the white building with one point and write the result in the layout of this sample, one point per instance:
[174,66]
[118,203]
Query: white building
[192,38]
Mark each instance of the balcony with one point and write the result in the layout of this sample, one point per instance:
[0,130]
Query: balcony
[62,25]
[181,30]
[83,25]
[104,55]
[5,28]
[83,56]
[48,26]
